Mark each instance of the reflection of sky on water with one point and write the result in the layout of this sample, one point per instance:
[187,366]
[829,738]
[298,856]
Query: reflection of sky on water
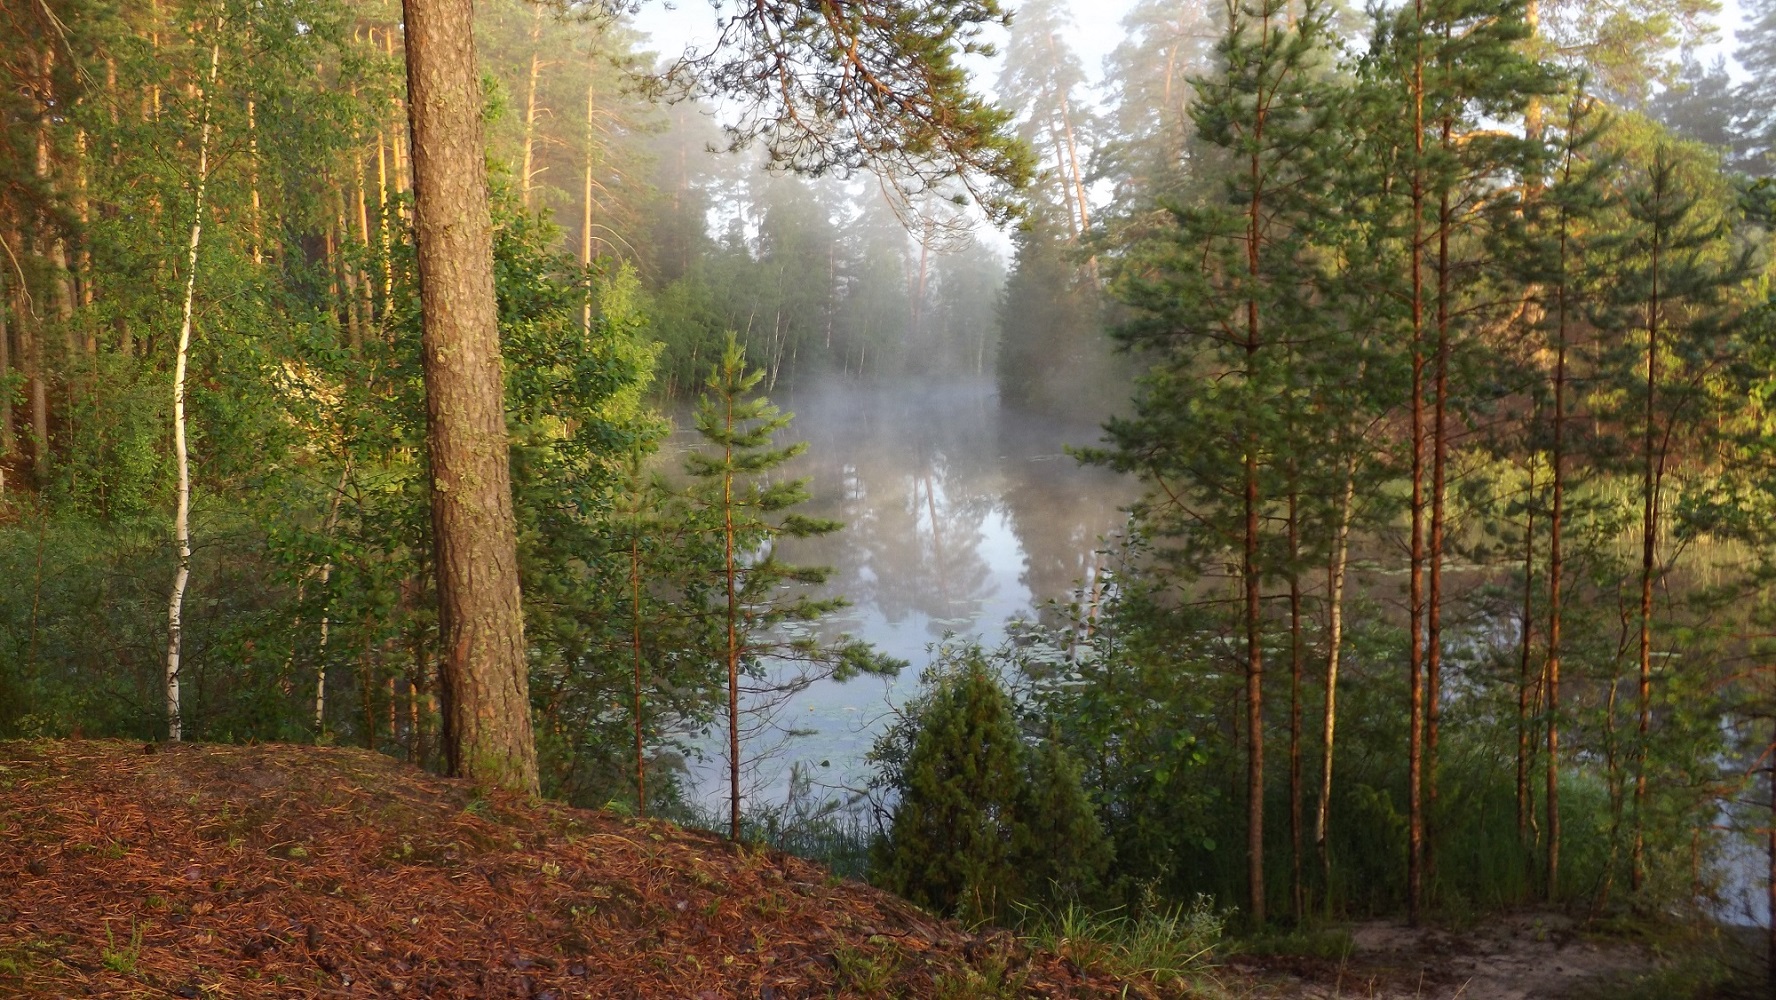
[959,517]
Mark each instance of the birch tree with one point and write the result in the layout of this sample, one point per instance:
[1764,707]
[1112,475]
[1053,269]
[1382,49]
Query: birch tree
[181,452]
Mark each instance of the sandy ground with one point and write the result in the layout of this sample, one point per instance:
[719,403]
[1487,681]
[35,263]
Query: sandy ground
[1530,956]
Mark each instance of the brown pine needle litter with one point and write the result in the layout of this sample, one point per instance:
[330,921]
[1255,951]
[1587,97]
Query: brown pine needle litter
[286,871]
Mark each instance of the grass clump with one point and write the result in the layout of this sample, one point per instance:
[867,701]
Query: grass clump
[1333,943]
[1167,946]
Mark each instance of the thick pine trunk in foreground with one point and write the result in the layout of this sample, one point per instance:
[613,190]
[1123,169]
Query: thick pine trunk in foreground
[481,625]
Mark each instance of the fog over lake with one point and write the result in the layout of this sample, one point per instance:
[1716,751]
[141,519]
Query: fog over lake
[960,516]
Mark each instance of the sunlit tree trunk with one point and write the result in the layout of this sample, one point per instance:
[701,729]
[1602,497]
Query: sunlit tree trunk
[1334,640]
[528,170]
[1652,472]
[1415,587]
[586,199]
[361,205]
[1439,519]
[30,341]
[400,124]
[347,274]
[382,217]
[253,182]
[182,512]
[1556,525]
[320,691]
[483,669]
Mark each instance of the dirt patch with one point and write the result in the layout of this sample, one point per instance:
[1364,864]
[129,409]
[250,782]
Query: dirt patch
[279,871]
[1525,956]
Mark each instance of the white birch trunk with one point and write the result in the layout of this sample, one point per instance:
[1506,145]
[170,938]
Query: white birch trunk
[1334,639]
[182,514]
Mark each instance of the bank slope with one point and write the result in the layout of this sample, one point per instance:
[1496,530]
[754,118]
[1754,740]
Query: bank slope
[279,871]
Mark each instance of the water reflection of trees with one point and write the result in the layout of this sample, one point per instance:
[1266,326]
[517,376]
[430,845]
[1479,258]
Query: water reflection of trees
[913,474]
[1059,509]
[926,479]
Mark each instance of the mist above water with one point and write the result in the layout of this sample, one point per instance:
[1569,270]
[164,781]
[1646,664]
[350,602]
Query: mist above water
[960,516]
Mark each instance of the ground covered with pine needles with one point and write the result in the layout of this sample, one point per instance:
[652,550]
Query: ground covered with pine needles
[283,871]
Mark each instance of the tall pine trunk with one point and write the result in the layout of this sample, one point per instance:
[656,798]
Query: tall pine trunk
[1415,585]
[1297,891]
[1525,648]
[1651,474]
[483,671]
[1556,524]
[1439,521]
[1249,568]
[181,454]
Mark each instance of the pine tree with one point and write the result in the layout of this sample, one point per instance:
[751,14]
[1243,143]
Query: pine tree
[1755,97]
[1214,298]
[765,648]
[1064,855]
[954,844]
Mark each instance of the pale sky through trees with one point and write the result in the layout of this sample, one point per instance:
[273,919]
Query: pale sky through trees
[672,25]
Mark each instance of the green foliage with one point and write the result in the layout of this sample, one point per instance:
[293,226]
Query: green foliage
[982,822]
[1172,946]
[959,822]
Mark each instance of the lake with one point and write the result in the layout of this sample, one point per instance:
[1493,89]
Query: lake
[960,516]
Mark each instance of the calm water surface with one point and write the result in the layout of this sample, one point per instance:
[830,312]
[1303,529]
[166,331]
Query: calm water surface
[960,516]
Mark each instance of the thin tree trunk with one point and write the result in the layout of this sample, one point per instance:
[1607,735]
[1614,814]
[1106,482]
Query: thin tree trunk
[586,205]
[400,124]
[382,218]
[361,205]
[253,181]
[1297,891]
[1526,638]
[730,568]
[1556,524]
[1439,497]
[1415,595]
[8,433]
[1249,569]
[347,275]
[1649,538]
[182,512]
[635,640]
[530,107]
[483,670]
[1334,639]
[320,713]
[30,335]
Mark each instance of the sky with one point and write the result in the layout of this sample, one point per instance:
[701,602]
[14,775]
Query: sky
[673,24]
